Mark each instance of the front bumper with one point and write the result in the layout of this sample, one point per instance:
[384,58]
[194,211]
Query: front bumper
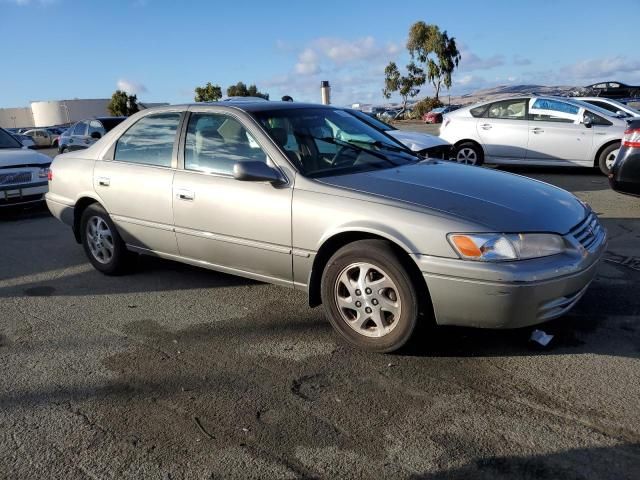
[509,294]
[23,194]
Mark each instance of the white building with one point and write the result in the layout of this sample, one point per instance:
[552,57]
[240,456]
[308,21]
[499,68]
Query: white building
[58,112]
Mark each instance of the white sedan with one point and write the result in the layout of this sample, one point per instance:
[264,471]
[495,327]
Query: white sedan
[533,130]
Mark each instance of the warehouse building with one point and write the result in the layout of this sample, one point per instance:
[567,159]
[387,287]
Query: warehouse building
[57,112]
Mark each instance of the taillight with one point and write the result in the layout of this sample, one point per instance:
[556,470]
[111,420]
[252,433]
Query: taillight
[50,175]
[631,138]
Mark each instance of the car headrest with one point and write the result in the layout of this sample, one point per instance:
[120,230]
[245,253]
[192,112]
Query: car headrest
[280,135]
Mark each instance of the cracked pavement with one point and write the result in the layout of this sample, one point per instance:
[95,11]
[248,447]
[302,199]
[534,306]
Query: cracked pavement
[176,372]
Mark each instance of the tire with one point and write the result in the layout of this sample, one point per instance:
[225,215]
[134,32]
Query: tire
[107,253]
[469,153]
[63,149]
[607,156]
[377,320]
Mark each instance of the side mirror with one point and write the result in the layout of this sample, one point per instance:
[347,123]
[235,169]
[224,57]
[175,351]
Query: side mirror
[255,171]
[586,121]
[96,135]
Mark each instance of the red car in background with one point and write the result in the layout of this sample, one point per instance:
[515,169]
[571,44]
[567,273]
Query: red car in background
[435,115]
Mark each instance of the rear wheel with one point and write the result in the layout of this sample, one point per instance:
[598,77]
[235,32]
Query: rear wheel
[607,158]
[469,153]
[102,242]
[369,297]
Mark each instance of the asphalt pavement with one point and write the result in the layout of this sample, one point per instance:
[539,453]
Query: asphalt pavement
[176,372]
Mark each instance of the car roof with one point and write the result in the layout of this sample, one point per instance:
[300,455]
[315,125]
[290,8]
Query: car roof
[247,106]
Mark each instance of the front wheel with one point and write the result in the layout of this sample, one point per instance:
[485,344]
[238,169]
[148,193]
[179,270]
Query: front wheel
[369,297]
[469,153]
[102,243]
[608,157]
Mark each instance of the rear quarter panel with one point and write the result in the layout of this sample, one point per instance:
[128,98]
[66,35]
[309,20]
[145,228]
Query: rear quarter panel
[72,179]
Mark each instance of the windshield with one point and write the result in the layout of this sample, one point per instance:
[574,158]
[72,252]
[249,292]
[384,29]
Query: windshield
[7,140]
[327,141]
[594,108]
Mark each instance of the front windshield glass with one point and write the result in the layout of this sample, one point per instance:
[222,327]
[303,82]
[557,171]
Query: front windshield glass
[327,141]
[594,108]
[373,121]
[7,141]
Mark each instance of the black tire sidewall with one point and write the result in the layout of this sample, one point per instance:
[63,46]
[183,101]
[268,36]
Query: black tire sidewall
[475,148]
[118,262]
[602,159]
[381,254]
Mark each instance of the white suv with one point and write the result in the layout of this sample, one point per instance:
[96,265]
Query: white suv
[534,130]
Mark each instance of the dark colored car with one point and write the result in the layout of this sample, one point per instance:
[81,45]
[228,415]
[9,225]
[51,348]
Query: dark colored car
[613,90]
[625,173]
[86,132]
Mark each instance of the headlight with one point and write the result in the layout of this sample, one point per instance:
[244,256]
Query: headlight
[43,172]
[496,247]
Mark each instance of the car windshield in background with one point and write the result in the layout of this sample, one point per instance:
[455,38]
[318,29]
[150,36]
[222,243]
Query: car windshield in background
[7,140]
[373,121]
[110,123]
[325,142]
[594,108]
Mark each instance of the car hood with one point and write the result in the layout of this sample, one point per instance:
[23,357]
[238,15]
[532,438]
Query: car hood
[10,157]
[501,202]
[417,141]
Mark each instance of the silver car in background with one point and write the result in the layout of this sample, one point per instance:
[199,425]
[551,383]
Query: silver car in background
[310,197]
[532,130]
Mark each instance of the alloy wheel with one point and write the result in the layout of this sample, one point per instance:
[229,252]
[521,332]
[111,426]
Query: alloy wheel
[467,155]
[611,158]
[368,299]
[100,239]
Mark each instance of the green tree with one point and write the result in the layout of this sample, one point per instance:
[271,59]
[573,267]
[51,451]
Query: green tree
[241,90]
[208,93]
[406,85]
[439,52]
[122,104]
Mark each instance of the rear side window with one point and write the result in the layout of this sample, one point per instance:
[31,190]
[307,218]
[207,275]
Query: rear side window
[480,111]
[149,141]
[597,119]
[79,129]
[216,142]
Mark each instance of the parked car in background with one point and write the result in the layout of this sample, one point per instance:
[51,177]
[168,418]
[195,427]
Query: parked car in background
[425,145]
[616,108]
[388,115]
[625,173]
[383,240]
[23,172]
[24,140]
[612,90]
[86,132]
[533,130]
[40,136]
[435,115]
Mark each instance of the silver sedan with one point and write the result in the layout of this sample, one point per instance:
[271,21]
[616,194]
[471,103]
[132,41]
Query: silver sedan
[310,197]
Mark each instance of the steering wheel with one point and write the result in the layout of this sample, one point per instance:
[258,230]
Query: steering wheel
[336,161]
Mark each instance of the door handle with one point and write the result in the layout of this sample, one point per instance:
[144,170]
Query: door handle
[184,194]
[104,181]
[486,126]
[537,130]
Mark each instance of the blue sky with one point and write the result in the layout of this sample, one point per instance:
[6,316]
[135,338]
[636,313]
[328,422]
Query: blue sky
[162,49]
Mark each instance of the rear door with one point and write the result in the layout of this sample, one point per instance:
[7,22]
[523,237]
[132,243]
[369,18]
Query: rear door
[557,133]
[134,182]
[504,130]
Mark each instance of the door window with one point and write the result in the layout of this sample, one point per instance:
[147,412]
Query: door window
[149,141]
[79,129]
[508,109]
[216,142]
[551,110]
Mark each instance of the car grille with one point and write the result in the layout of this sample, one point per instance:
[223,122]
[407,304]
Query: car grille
[588,232]
[15,178]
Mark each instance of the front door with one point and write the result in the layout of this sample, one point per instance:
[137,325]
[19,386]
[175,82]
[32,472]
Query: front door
[237,226]
[135,186]
[505,130]
[557,134]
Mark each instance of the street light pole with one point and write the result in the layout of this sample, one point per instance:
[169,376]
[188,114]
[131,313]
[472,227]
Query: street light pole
[14,121]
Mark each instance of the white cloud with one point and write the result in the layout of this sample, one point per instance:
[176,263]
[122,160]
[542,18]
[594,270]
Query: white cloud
[469,61]
[132,88]
[307,62]
[602,67]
